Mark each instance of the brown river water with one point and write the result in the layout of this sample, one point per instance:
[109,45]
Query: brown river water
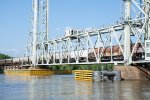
[64,87]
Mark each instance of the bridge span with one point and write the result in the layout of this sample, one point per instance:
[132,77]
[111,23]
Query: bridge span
[126,41]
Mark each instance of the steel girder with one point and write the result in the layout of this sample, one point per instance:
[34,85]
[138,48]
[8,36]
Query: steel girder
[95,45]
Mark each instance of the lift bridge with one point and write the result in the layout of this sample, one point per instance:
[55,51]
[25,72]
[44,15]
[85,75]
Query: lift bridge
[126,42]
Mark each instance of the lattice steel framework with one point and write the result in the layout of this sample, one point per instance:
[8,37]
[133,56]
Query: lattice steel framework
[118,43]
[38,31]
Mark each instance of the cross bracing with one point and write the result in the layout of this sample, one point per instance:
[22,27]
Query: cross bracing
[123,42]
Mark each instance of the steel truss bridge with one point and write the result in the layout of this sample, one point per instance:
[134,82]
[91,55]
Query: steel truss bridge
[125,42]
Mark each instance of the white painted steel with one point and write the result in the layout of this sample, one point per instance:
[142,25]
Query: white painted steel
[94,45]
[127,48]
[147,50]
[34,51]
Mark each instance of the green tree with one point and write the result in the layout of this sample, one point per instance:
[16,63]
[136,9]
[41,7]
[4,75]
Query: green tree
[3,56]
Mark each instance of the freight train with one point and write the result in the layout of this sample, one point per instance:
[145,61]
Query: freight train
[104,53]
[117,55]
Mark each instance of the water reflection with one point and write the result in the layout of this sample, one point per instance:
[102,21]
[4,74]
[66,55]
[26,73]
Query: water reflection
[64,87]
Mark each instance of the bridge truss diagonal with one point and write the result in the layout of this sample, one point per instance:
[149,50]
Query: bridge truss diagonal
[123,42]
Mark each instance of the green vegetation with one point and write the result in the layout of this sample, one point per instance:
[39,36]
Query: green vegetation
[94,67]
[3,56]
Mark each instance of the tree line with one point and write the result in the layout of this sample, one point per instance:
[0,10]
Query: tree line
[4,56]
[95,67]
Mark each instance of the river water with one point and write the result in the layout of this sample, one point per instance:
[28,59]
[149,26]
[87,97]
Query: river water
[64,87]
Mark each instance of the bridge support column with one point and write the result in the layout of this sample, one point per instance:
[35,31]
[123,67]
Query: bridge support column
[127,31]
[147,7]
[35,20]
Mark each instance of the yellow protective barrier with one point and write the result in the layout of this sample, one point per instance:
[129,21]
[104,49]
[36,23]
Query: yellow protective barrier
[83,75]
[35,72]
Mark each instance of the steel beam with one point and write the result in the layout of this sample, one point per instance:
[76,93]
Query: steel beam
[98,43]
[35,10]
[127,16]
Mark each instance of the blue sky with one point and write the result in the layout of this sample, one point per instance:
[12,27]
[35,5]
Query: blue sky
[15,18]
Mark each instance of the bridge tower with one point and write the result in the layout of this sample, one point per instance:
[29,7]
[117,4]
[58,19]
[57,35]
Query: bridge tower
[122,42]
[35,25]
[137,24]
[147,29]
[38,36]
[147,11]
[127,30]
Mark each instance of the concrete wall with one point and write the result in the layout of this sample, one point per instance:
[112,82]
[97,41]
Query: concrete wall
[131,72]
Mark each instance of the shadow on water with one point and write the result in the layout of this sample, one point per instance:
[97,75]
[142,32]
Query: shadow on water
[64,87]
[1,70]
